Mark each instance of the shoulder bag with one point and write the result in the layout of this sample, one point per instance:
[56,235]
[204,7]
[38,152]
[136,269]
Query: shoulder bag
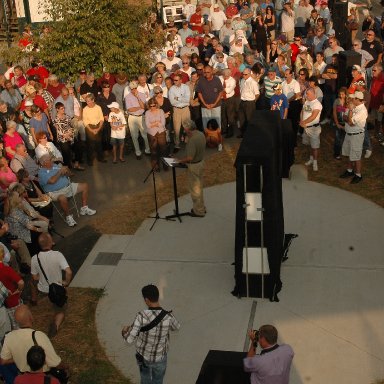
[57,293]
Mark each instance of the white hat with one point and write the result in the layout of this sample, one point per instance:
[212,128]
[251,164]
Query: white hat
[357,68]
[114,105]
[358,95]
[133,85]
[28,103]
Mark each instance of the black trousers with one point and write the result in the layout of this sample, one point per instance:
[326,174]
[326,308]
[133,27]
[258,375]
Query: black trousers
[246,110]
[228,115]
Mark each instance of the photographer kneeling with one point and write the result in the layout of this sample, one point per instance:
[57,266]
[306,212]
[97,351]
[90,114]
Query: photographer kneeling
[274,361]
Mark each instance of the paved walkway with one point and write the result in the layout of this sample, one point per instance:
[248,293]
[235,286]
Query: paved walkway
[331,307]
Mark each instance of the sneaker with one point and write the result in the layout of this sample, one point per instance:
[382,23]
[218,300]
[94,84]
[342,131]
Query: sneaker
[87,211]
[368,154]
[315,167]
[70,221]
[356,179]
[220,147]
[309,162]
[347,174]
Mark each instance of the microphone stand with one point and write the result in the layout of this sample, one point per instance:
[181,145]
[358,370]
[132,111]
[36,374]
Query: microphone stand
[157,216]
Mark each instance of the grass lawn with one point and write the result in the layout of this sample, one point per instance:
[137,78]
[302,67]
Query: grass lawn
[77,342]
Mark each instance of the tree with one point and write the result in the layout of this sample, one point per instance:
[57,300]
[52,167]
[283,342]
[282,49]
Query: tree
[97,34]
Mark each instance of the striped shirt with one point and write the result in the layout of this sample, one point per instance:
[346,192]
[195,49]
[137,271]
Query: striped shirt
[154,344]
[268,84]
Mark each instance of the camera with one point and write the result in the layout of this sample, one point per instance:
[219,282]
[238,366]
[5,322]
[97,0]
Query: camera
[256,335]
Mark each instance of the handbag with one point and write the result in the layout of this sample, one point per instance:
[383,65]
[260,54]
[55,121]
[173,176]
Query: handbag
[59,373]
[57,293]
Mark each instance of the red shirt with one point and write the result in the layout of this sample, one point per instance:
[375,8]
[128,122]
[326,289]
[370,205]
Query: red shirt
[42,72]
[38,100]
[10,279]
[196,19]
[11,142]
[55,91]
[295,51]
[377,91]
[20,81]
[33,378]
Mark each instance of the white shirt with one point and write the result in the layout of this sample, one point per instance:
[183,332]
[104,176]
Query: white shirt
[217,19]
[188,10]
[309,107]
[237,48]
[117,120]
[146,89]
[168,63]
[230,85]
[319,68]
[287,22]
[359,119]
[249,89]
[53,263]
[290,89]
[49,149]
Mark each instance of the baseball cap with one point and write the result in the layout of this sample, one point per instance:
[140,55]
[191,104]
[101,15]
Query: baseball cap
[170,52]
[277,87]
[189,39]
[216,6]
[324,2]
[28,103]
[356,68]
[114,104]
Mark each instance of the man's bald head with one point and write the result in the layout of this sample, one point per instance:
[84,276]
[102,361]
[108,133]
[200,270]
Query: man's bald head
[23,316]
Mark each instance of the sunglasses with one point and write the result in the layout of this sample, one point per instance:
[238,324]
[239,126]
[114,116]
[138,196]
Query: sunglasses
[156,93]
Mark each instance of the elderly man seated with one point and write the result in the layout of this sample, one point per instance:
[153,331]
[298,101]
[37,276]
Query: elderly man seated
[22,160]
[54,180]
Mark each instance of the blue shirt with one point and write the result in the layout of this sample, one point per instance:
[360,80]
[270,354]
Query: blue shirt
[279,103]
[45,174]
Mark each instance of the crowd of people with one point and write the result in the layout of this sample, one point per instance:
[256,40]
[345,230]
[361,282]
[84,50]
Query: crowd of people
[218,65]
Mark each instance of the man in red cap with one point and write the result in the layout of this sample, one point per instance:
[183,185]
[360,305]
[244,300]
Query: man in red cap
[189,47]
[171,60]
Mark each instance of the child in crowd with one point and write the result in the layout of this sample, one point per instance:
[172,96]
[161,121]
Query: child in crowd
[279,101]
[118,123]
[213,135]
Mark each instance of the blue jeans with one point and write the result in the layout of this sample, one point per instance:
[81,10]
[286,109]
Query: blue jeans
[153,373]
[339,138]
[9,373]
[208,114]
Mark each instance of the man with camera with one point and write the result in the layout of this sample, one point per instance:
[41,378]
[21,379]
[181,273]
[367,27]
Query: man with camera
[273,364]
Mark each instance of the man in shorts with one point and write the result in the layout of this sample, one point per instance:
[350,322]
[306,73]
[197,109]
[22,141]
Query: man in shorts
[355,121]
[54,264]
[54,180]
[310,118]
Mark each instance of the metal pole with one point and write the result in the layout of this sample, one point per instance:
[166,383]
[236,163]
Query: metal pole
[262,234]
[245,227]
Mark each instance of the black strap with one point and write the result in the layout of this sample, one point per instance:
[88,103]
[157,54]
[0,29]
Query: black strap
[155,321]
[269,349]
[34,338]
[42,269]
[47,379]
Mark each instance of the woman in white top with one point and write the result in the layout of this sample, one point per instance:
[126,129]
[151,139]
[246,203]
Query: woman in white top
[45,147]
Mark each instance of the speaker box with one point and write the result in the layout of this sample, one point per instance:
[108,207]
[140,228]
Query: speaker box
[347,59]
[339,17]
[223,367]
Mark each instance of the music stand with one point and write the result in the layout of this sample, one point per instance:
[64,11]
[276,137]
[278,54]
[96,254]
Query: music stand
[157,216]
[173,163]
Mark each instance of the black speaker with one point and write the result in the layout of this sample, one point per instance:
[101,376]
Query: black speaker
[261,147]
[347,59]
[223,367]
[339,18]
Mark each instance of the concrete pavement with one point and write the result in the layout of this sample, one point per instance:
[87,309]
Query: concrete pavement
[331,306]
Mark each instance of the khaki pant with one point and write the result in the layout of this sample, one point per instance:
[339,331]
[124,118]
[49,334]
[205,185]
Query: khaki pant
[195,187]
[180,116]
